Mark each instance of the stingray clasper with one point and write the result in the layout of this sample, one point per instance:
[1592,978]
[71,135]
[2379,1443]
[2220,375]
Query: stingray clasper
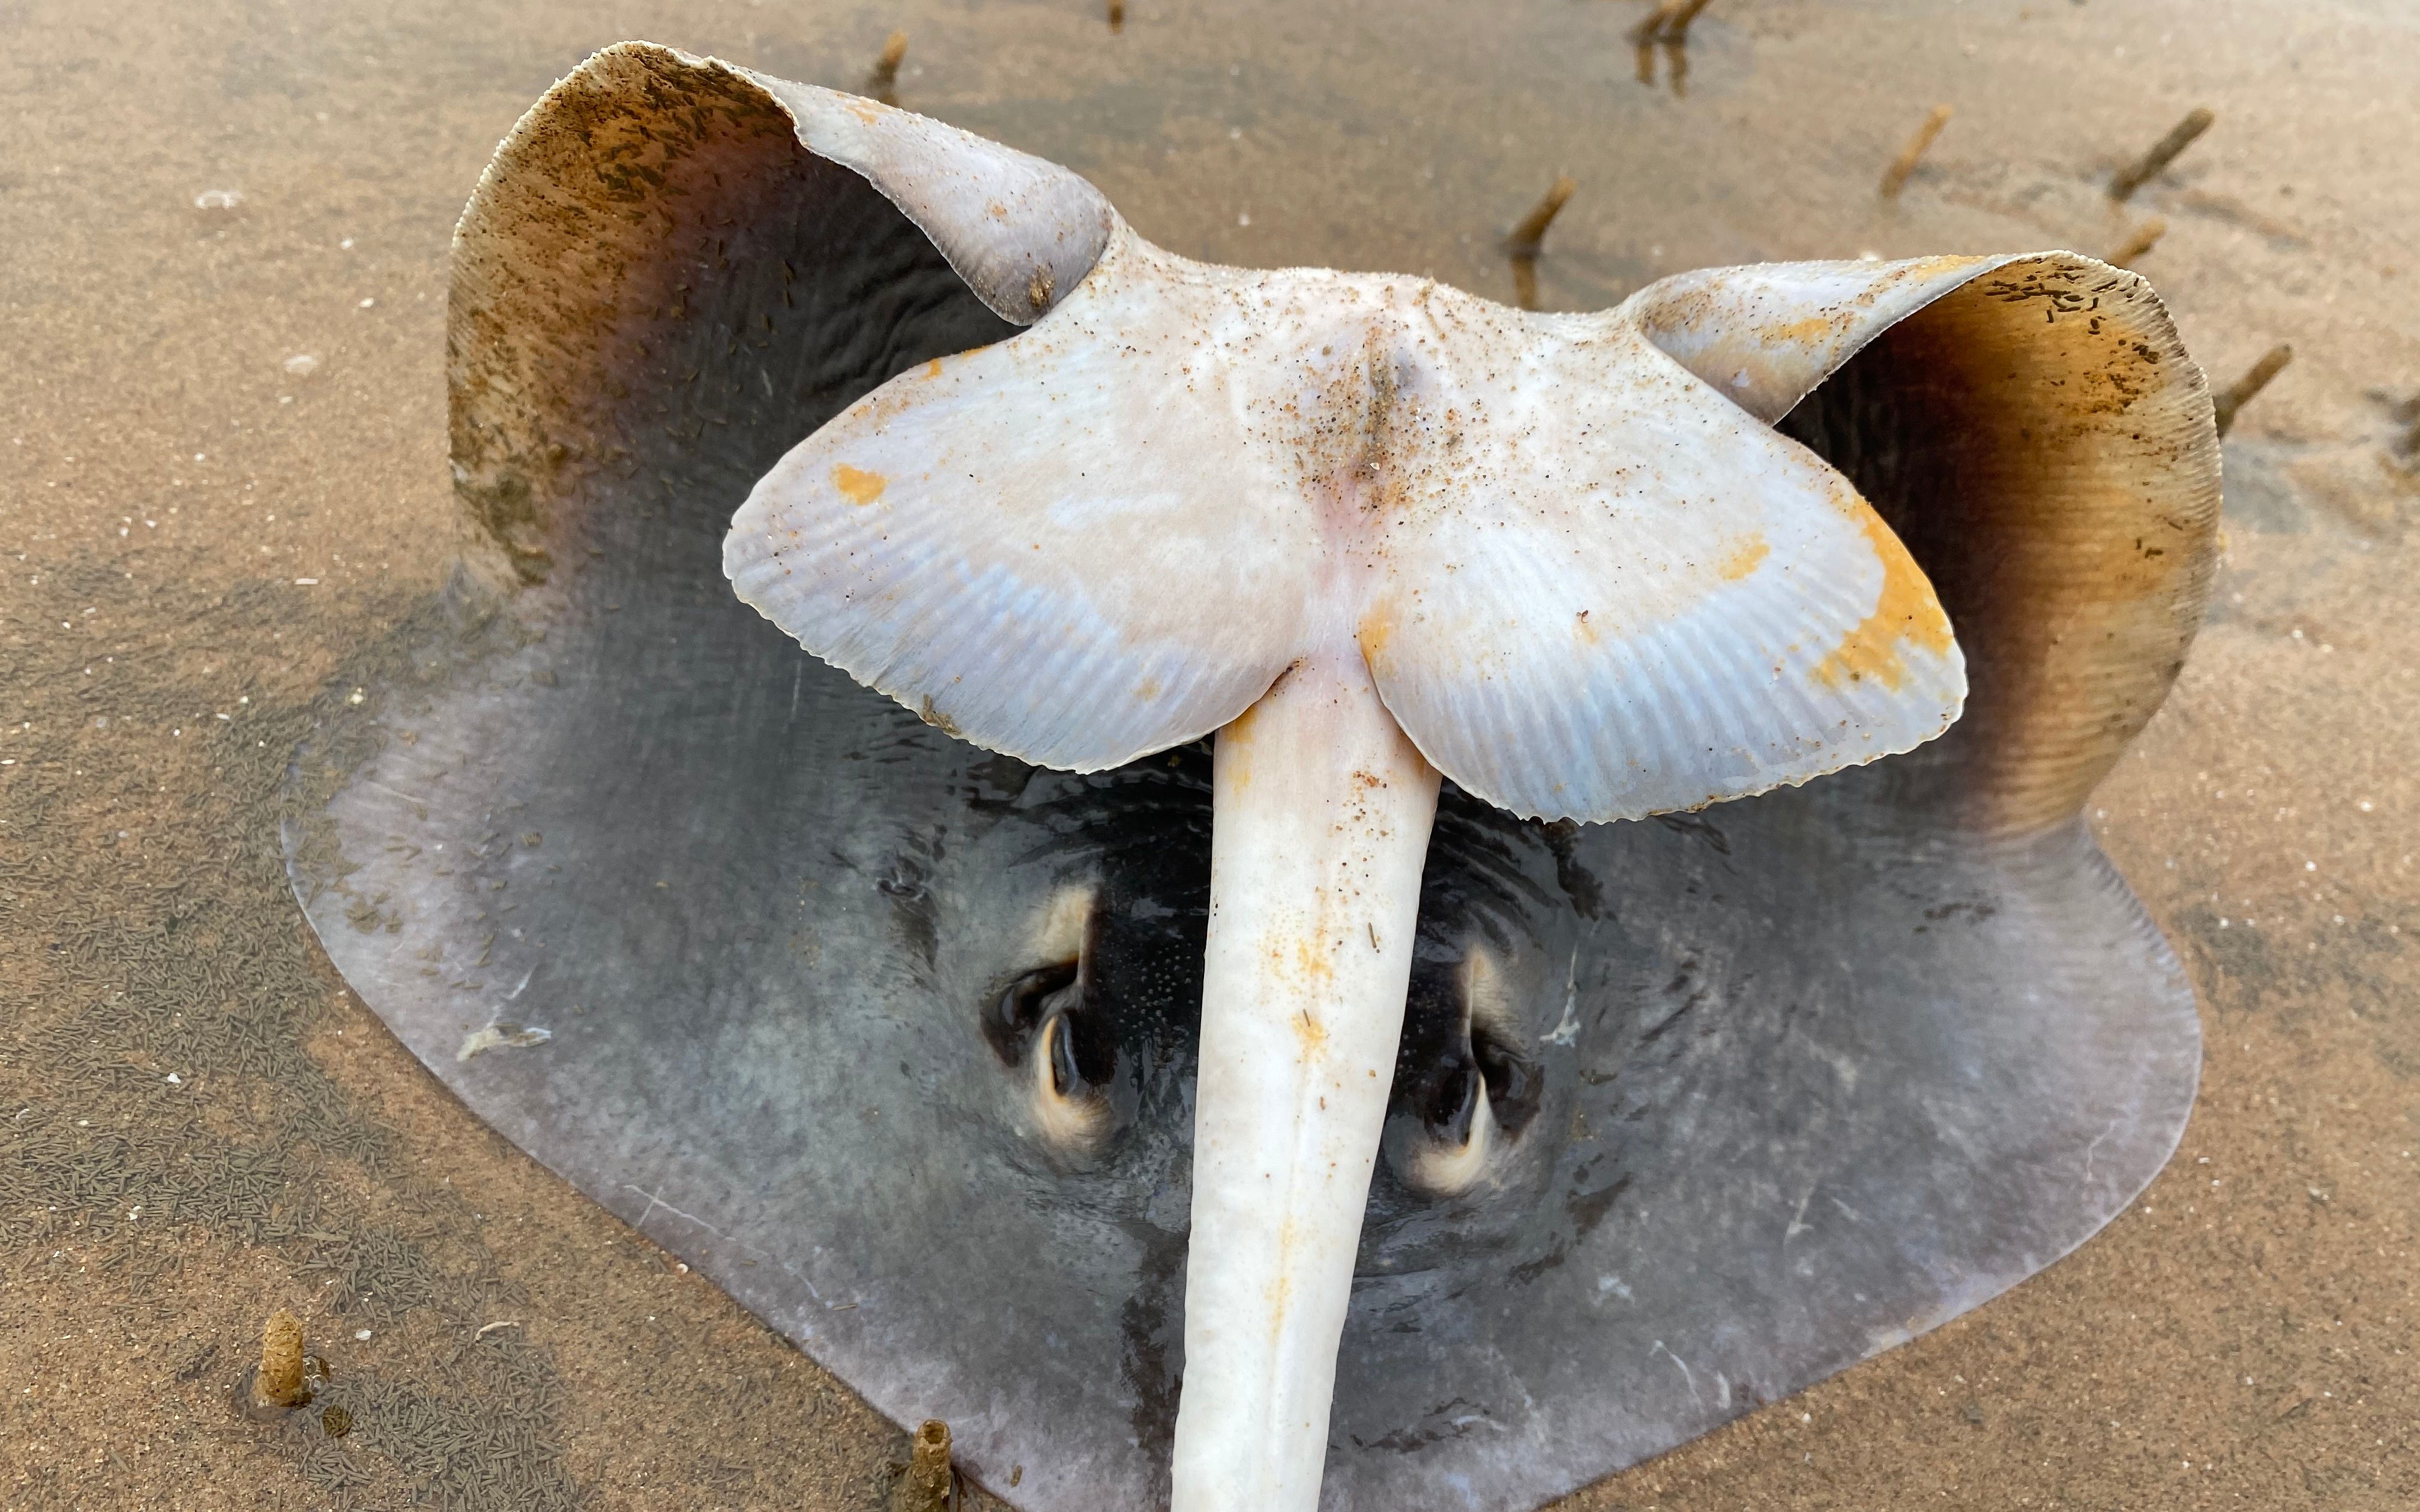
[1230,1027]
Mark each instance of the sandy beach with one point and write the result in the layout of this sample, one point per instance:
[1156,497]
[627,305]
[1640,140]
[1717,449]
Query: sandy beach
[223,481]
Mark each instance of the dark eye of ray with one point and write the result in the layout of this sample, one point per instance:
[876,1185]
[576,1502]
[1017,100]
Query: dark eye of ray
[1065,1078]
[1126,1011]
[1435,1078]
[1438,1070]
[1475,892]
[1451,1102]
[1119,1020]
[1021,1010]
[1512,1080]
[1061,1009]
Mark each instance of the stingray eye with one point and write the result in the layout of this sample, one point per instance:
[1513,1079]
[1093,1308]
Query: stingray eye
[1463,1091]
[1511,1080]
[1048,1028]
[1452,1098]
[1037,1027]
[1018,1015]
[1067,1110]
[1058,1056]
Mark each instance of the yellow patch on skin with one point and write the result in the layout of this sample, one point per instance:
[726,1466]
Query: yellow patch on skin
[932,368]
[1746,557]
[1316,965]
[1377,628]
[1805,332]
[1310,1033]
[1925,267]
[1149,690]
[1281,1292]
[1059,935]
[1905,610]
[1234,749]
[857,485]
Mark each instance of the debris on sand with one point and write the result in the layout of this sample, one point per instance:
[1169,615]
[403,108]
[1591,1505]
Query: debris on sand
[501,1036]
[924,1486]
[1531,232]
[2144,169]
[277,1384]
[1523,243]
[884,82]
[1668,22]
[2145,237]
[1895,176]
[2238,393]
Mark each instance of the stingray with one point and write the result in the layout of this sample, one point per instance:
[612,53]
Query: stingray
[1723,1026]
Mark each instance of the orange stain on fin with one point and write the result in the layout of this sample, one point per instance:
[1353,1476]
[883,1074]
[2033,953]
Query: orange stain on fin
[857,485]
[1812,331]
[1746,557]
[1377,628]
[1905,611]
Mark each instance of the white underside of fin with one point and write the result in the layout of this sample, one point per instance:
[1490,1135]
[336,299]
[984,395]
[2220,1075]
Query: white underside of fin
[1589,584]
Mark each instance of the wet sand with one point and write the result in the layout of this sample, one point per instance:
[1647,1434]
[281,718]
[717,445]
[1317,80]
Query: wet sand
[202,533]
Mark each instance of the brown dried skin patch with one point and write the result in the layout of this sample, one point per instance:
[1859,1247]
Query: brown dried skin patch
[2033,431]
[654,255]
[2043,445]
[553,294]
[656,224]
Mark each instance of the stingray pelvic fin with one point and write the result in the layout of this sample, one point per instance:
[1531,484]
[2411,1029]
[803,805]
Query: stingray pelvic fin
[2033,429]
[1587,587]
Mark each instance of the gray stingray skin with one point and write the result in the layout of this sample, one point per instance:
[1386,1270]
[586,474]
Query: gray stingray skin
[1817,1070]
[1823,1078]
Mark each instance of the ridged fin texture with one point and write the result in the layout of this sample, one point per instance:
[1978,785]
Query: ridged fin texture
[1058,547]
[1651,603]
[1646,601]
[1589,585]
